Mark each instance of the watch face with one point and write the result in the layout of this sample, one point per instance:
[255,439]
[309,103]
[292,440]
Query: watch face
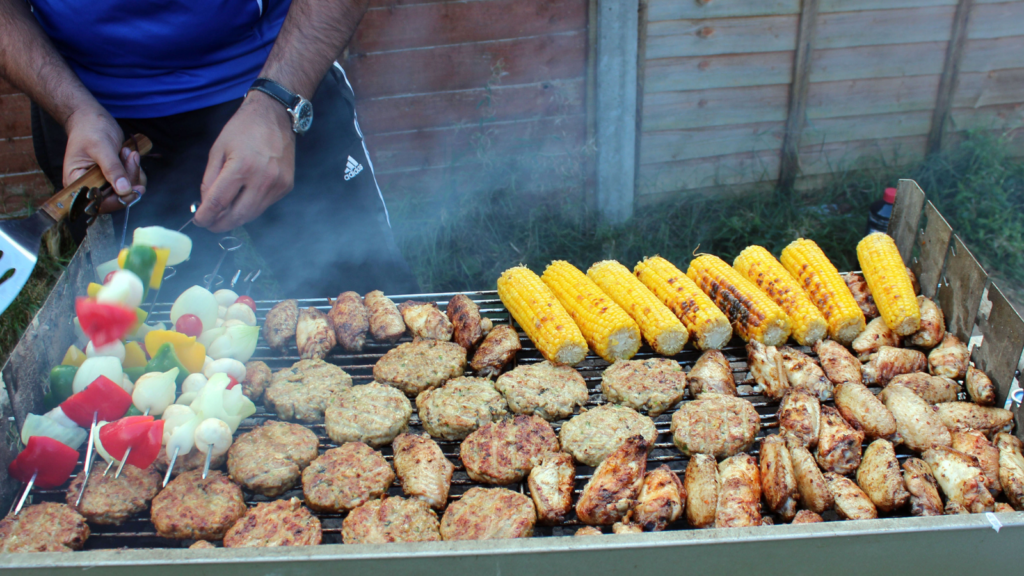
[303,117]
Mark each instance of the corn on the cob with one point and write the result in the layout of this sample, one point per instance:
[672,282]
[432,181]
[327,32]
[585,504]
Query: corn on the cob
[611,333]
[827,290]
[541,316]
[706,323]
[753,314]
[760,267]
[890,285]
[659,326]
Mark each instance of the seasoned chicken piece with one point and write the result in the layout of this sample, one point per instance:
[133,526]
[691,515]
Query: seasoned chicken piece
[960,478]
[800,418]
[967,415]
[880,478]
[464,315]
[974,443]
[851,502]
[386,323]
[814,492]
[280,323]
[837,362]
[778,481]
[933,325]
[1005,440]
[551,485]
[1011,469]
[711,373]
[949,359]
[889,362]
[414,367]
[803,373]
[715,424]
[489,514]
[589,531]
[701,487]
[313,334]
[806,517]
[861,294]
[767,369]
[350,320]
[875,335]
[257,378]
[612,491]
[654,384]
[425,320]
[739,492]
[1003,507]
[917,425]
[931,389]
[616,424]
[980,387]
[459,407]
[953,508]
[498,349]
[551,391]
[504,452]
[422,469]
[661,500]
[626,528]
[838,444]
[864,411]
[923,489]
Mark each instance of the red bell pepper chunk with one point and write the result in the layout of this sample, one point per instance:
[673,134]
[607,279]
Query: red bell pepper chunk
[50,460]
[104,323]
[232,382]
[106,400]
[143,434]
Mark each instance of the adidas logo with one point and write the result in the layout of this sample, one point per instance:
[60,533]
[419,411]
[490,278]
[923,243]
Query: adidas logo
[352,168]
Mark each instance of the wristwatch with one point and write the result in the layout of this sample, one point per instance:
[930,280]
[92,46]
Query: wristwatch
[298,107]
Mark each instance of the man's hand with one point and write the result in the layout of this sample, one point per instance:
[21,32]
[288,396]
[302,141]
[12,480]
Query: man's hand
[94,138]
[251,165]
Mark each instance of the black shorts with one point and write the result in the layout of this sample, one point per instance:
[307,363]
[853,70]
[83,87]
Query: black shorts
[330,234]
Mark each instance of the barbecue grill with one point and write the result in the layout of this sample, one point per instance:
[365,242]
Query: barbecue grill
[947,271]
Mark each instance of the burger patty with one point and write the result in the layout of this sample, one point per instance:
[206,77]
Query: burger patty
[194,508]
[459,407]
[304,391]
[417,366]
[45,527]
[194,460]
[110,500]
[269,459]
[277,523]
[653,385]
[489,514]
[549,390]
[200,545]
[346,477]
[596,433]
[504,452]
[393,519]
[373,413]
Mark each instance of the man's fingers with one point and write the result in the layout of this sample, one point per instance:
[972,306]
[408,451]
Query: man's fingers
[114,203]
[218,197]
[113,170]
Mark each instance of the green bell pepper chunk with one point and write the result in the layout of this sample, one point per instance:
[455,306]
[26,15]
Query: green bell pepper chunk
[141,259]
[61,379]
[164,360]
[134,373]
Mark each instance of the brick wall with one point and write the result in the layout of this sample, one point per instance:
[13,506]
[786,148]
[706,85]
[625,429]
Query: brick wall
[21,183]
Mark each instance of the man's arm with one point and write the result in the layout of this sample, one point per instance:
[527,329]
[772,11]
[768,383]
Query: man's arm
[252,163]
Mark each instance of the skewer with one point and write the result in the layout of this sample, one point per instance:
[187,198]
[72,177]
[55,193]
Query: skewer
[169,272]
[206,465]
[127,210]
[253,281]
[232,245]
[89,455]
[193,208]
[28,488]
[235,279]
[170,467]
[123,459]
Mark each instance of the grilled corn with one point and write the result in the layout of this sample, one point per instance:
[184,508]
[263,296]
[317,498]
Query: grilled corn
[890,285]
[706,323]
[541,316]
[753,314]
[760,267]
[659,326]
[826,289]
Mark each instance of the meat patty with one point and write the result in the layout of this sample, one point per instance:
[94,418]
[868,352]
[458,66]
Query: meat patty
[279,326]
[193,508]
[654,385]
[110,500]
[269,459]
[346,477]
[596,433]
[421,365]
[304,391]
[201,545]
[715,424]
[277,523]
[192,461]
[45,527]
[373,413]
[489,514]
[551,391]
[459,407]
[393,519]
[504,452]
[257,378]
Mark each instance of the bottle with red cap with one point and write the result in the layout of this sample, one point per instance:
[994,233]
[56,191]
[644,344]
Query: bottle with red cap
[881,211]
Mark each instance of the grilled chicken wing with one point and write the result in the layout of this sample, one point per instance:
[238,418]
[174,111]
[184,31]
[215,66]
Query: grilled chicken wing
[923,489]
[931,389]
[661,500]
[837,362]
[960,478]
[767,369]
[851,502]
[612,491]
[933,325]
[974,443]
[701,486]
[711,373]
[838,443]
[980,387]
[313,334]
[814,492]
[806,517]
[875,335]
[588,531]
[425,320]
[422,469]
[888,362]
[1011,469]
[739,492]
[551,485]
[386,323]
[626,528]
[967,415]
[949,359]
[350,320]
[1006,440]
[778,481]
[464,315]
[498,348]
[880,478]
[864,411]
[803,373]
[861,294]
[279,326]
[800,418]
[917,425]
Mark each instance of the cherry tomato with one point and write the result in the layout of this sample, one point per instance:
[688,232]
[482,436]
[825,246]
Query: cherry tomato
[189,325]
[109,276]
[248,301]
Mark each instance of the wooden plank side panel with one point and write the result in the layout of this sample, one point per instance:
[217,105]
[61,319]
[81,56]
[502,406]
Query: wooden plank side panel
[677,38]
[715,107]
[886,61]
[996,20]
[666,178]
[878,27]
[554,175]
[676,145]
[725,71]
[987,54]
[687,9]
[856,128]
[827,158]
[874,96]
[997,87]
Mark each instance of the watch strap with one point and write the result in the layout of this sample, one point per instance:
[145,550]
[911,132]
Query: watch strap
[276,91]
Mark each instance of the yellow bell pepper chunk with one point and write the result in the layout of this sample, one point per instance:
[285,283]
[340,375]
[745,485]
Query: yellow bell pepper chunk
[93,289]
[121,257]
[190,353]
[162,254]
[73,357]
[134,357]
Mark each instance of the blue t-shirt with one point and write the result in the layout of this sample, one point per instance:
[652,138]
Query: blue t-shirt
[150,58]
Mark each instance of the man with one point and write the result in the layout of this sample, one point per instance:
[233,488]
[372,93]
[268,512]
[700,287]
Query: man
[225,89]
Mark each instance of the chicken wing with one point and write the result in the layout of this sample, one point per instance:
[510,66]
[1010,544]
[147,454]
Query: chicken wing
[425,320]
[931,389]
[875,335]
[551,485]
[864,411]
[279,326]
[980,387]
[778,481]
[838,443]
[968,415]
[923,489]
[1005,440]
[837,362]
[803,373]
[626,528]
[422,469]
[814,492]
[949,359]
[464,315]
[739,492]
[960,478]
[612,491]
[498,349]
[806,517]
[661,500]
[767,369]
[933,325]
[350,320]
[711,373]
[1011,469]
[800,418]
[588,531]
[880,478]
[917,425]
[313,334]
[701,487]
[888,362]
[851,502]
[861,294]
[386,323]
[974,443]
